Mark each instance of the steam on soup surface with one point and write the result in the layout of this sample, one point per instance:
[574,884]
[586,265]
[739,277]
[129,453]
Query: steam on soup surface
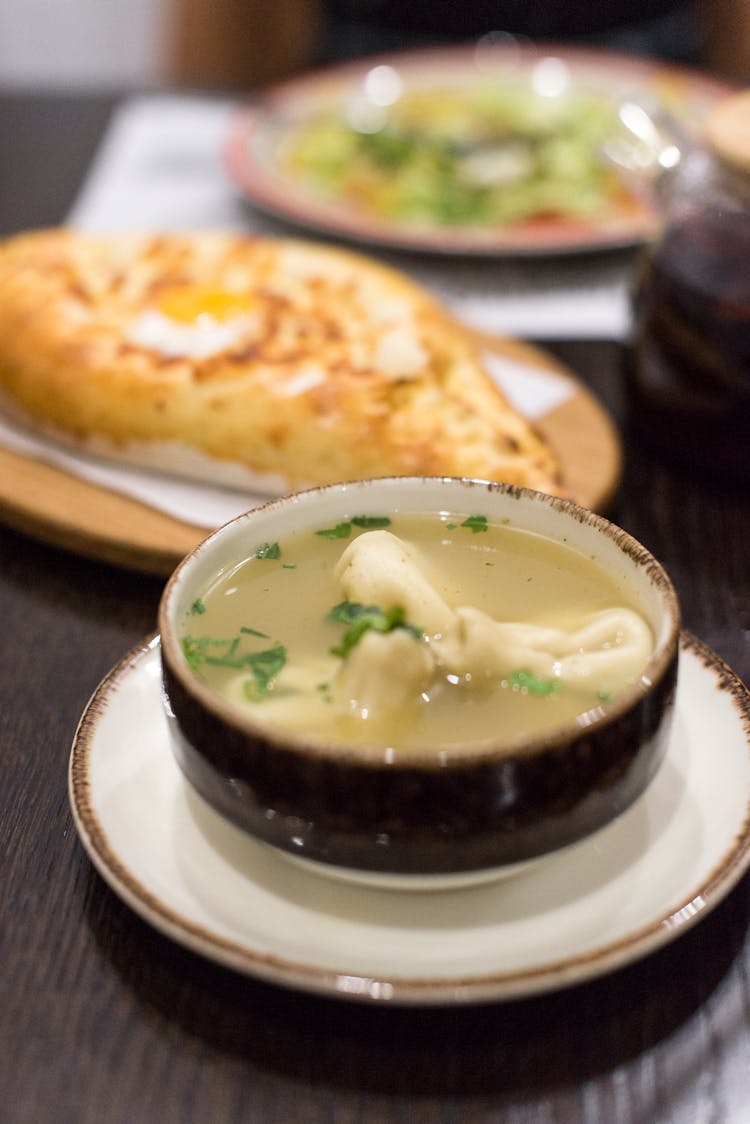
[416,631]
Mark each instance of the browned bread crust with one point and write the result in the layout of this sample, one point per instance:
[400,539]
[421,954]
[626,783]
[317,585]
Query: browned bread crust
[331,366]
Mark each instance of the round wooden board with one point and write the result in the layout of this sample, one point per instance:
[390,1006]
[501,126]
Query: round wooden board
[66,511]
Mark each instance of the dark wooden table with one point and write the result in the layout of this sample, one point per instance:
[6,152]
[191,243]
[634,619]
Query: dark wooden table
[103,1021]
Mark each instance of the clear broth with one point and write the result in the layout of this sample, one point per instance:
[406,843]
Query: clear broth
[511,574]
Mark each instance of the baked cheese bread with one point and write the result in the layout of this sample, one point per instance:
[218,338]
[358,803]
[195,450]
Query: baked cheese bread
[256,362]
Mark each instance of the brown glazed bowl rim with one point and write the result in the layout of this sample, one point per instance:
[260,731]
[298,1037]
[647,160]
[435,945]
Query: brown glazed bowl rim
[623,545]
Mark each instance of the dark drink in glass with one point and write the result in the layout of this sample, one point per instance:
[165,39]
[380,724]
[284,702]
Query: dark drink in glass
[689,376]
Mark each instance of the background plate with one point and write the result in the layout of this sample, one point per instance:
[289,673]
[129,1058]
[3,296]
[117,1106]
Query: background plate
[256,131]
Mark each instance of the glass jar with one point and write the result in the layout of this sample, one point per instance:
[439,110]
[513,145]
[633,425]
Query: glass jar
[689,375]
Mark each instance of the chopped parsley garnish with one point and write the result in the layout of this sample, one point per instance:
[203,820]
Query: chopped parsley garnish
[340,531]
[476,523]
[289,565]
[344,530]
[525,680]
[324,690]
[197,649]
[360,619]
[198,606]
[268,550]
[604,696]
[451,526]
[370,521]
[263,666]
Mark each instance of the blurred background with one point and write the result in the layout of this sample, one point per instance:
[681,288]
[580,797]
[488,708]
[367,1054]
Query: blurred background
[242,44]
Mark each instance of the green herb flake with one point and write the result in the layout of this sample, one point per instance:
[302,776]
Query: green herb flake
[340,531]
[604,696]
[268,550]
[371,521]
[228,659]
[197,649]
[324,690]
[525,680]
[476,524]
[289,565]
[193,651]
[198,607]
[264,666]
[451,526]
[360,619]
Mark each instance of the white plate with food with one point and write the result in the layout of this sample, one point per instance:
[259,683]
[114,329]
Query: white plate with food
[587,910]
[492,149]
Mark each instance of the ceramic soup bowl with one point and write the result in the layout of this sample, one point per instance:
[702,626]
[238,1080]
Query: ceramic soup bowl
[451,800]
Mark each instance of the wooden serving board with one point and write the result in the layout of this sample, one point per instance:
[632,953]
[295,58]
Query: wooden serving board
[66,511]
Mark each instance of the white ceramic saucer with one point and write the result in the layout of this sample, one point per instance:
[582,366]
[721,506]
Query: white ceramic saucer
[584,911]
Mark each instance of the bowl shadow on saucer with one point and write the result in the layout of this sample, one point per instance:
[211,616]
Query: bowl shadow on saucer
[579,870]
[513,1051]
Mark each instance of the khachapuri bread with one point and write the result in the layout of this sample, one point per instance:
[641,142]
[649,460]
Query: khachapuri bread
[265,363]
